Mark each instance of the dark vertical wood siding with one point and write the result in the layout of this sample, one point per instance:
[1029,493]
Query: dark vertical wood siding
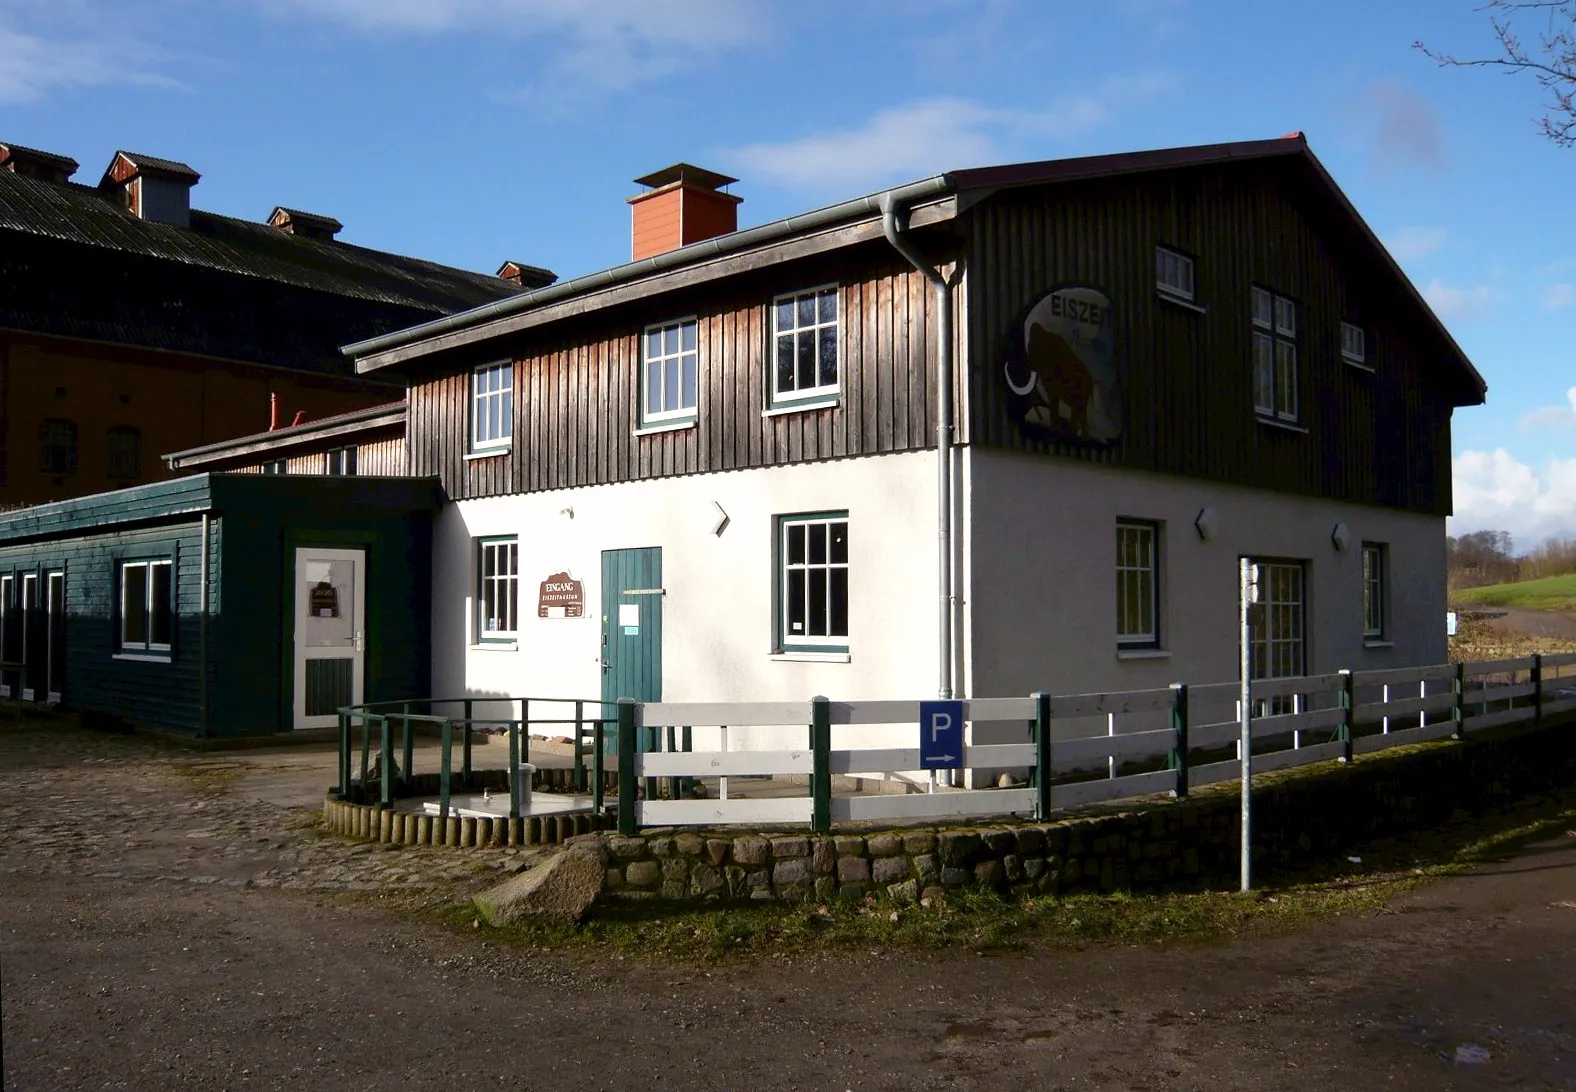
[577,388]
[382,456]
[1380,438]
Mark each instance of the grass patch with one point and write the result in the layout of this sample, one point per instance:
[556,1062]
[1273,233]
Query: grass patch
[1550,593]
[986,921]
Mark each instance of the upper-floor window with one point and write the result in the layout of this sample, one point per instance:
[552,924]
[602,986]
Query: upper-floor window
[492,406]
[669,368]
[1354,345]
[1274,355]
[1137,584]
[276,466]
[804,336]
[125,452]
[146,602]
[1174,273]
[1373,591]
[57,444]
[339,461]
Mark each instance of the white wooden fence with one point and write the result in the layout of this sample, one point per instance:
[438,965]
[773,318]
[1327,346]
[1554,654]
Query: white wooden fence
[1075,750]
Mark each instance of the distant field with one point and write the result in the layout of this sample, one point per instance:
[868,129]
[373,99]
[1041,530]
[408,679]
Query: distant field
[1550,593]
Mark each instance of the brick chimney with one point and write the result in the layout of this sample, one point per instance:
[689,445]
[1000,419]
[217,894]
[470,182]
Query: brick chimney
[153,189]
[684,205]
[32,163]
[526,276]
[305,225]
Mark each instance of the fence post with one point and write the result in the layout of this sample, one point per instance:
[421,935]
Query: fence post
[1537,688]
[1348,705]
[687,745]
[447,768]
[525,729]
[821,769]
[465,750]
[598,740]
[344,755]
[672,746]
[514,770]
[1042,754]
[386,761]
[1179,745]
[626,766]
[366,753]
[1458,707]
[409,744]
[580,742]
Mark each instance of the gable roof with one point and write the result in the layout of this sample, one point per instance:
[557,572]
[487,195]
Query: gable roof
[75,263]
[152,164]
[930,200]
[387,417]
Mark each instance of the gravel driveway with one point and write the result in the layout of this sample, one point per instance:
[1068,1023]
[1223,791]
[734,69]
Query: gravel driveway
[194,936]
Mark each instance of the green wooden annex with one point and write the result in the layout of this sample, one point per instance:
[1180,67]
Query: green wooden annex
[221,604]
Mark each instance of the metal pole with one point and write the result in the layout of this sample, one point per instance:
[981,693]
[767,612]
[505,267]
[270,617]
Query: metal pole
[1247,592]
[626,766]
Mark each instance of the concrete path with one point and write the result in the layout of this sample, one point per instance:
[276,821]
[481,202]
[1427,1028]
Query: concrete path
[165,930]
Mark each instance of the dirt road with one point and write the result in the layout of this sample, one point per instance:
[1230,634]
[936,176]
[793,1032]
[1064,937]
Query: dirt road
[135,961]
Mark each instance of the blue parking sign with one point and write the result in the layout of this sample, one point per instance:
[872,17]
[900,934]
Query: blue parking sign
[941,735]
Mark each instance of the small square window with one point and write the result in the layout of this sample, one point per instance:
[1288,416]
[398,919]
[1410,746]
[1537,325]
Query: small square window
[340,461]
[1354,345]
[1174,273]
[276,466]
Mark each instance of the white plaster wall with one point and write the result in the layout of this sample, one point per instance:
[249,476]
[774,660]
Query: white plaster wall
[1043,579]
[718,611]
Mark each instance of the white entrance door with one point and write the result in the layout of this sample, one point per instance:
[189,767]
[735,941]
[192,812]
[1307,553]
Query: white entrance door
[329,633]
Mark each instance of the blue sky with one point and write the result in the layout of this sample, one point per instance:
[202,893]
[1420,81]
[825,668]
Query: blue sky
[471,131]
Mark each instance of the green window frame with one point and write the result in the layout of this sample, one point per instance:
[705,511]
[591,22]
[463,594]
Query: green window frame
[812,582]
[497,589]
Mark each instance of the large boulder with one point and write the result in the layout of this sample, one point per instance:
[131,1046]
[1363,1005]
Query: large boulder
[562,888]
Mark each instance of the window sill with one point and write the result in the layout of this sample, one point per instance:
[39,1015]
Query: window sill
[803,407]
[1182,302]
[811,657]
[1358,364]
[1370,643]
[657,427]
[1284,426]
[1143,654]
[144,657]
[490,453]
[494,646]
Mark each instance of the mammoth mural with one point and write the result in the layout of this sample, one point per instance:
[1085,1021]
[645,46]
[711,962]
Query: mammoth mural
[1060,369]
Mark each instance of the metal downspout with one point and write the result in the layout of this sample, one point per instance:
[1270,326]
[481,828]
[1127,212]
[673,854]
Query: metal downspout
[893,221]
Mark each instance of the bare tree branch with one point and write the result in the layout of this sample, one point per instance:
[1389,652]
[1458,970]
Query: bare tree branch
[1552,62]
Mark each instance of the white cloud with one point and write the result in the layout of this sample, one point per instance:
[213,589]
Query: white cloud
[605,45]
[1553,416]
[33,65]
[928,136]
[1496,491]
[1408,243]
[1562,295]
[1450,302]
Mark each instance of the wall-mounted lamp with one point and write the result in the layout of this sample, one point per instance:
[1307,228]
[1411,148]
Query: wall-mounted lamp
[1340,536]
[1207,523]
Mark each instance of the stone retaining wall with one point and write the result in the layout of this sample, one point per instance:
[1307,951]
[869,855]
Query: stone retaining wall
[1300,816]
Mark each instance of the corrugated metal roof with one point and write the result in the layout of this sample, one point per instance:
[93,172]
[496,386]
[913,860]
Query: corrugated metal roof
[163,166]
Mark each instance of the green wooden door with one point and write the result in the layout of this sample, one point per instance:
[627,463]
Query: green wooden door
[632,624]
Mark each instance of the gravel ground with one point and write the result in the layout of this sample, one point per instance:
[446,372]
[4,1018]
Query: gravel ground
[165,931]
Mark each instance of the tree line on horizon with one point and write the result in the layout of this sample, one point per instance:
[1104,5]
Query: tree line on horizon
[1489,557]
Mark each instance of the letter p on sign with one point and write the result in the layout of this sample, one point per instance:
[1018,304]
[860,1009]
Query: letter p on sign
[941,735]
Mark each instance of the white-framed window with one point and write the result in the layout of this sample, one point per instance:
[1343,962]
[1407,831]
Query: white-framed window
[492,406]
[340,461]
[1354,345]
[146,605]
[806,355]
[124,446]
[668,371]
[1274,355]
[1279,630]
[276,466]
[1137,583]
[1374,557]
[812,585]
[1174,273]
[498,589]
